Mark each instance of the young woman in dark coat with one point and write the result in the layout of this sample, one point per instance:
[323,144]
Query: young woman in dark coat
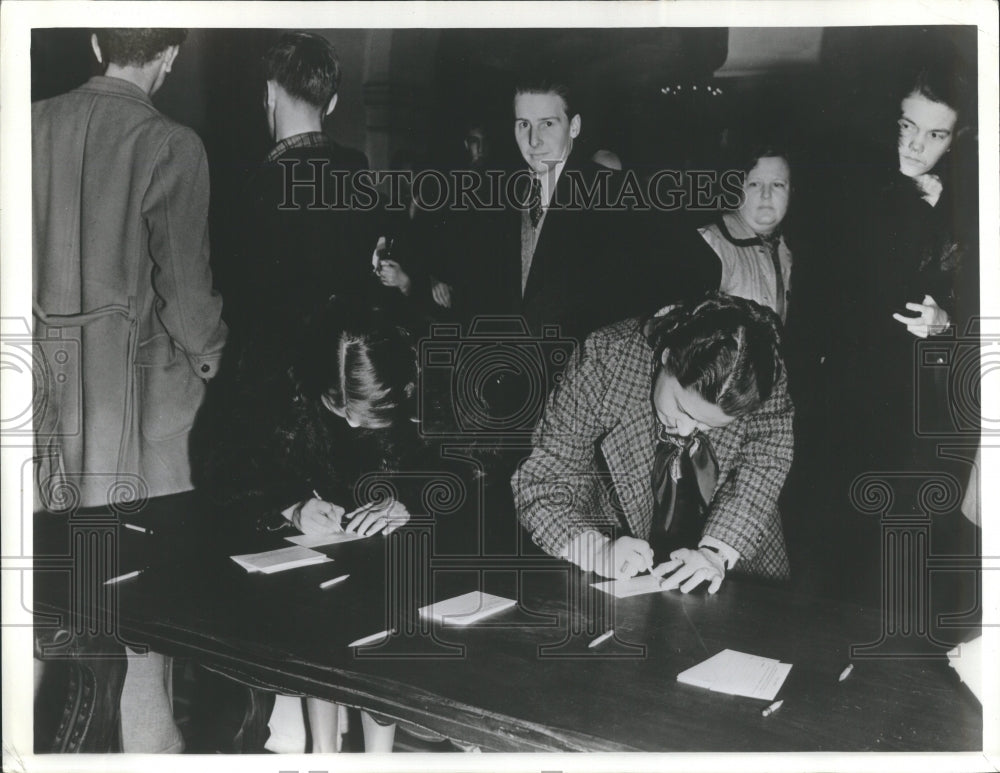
[297,444]
[914,255]
[906,270]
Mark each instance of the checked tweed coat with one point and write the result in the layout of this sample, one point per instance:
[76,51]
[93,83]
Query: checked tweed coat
[593,455]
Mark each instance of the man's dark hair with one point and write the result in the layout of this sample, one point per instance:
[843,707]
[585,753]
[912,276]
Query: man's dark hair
[723,347]
[545,86]
[305,65]
[133,46]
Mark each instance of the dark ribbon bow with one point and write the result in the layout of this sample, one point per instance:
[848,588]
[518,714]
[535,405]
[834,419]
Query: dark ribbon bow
[667,472]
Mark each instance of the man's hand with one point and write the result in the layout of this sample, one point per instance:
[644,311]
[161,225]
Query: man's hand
[377,517]
[692,567]
[441,293]
[932,320]
[391,274]
[624,558]
[316,517]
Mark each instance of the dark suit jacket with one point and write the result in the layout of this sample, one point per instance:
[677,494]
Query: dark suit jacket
[577,247]
[595,262]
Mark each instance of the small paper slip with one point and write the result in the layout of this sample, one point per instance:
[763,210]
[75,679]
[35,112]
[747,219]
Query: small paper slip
[967,660]
[467,608]
[644,583]
[316,541]
[271,561]
[737,673]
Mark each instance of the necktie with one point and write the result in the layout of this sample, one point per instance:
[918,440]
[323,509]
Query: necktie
[535,201]
[684,475]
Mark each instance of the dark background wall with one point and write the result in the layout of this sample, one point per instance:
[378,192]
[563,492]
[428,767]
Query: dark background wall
[417,89]
[418,86]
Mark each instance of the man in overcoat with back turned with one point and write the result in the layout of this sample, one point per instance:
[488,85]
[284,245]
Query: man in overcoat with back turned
[122,283]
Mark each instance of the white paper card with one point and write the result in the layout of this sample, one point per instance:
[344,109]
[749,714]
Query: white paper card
[317,540]
[635,586]
[737,673]
[967,660]
[271,561]
[467,608]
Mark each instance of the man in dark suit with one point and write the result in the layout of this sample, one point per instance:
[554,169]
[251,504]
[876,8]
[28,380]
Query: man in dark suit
[566,258]
[301,240]
[544,257]
[568,239]
[531,283]
[586,255]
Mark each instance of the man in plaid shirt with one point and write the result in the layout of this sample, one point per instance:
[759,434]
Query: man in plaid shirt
[671,438]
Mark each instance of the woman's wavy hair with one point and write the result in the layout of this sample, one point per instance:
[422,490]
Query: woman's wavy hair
[725,348]
[358,360]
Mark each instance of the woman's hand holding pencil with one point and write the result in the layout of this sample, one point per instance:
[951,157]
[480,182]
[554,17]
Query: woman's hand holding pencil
[317,517]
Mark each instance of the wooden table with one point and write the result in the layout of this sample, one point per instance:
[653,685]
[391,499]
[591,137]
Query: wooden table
[524,680]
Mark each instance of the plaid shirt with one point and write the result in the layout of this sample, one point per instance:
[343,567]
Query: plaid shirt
[303,140]
[604,401]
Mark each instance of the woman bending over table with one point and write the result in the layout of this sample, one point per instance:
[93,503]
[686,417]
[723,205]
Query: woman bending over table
[296,442]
